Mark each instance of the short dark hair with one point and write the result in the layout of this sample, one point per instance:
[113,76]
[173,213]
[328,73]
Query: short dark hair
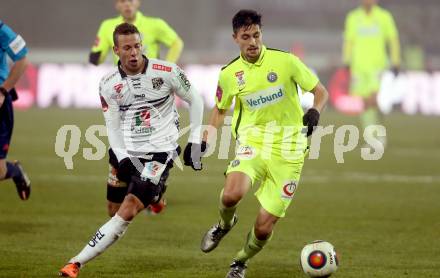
[245,18]
[124,29]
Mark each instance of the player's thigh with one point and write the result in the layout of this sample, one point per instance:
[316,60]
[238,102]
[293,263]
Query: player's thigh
[278,189]
[365,83]
[116,189]
[150,187]
[243,172]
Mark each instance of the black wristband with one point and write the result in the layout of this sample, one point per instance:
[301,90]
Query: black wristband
[3,91]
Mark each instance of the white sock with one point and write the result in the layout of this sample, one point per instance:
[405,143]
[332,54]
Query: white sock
[102,239]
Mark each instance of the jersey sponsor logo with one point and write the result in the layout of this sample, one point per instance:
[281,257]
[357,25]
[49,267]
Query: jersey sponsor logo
[157,83]
[367,31]
[17,44]
[139,96]
[272,77]
[183,80]
[264,98]
[240,78]
[219,93]
[289,189]
[142,123]
[118,87]
[161,67]
[103,103]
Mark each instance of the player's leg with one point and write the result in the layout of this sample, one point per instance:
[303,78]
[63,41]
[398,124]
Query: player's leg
[8,169]
[241,174]
[140,195]
[371,115]
[275,195]
[116,189]
[257,238]
[236,186]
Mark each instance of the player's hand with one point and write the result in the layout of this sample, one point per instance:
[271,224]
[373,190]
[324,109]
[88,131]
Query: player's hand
[126,169]
[311,119]
[192,155]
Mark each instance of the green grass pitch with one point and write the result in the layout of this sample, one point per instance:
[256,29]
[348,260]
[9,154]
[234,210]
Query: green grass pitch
[382,216]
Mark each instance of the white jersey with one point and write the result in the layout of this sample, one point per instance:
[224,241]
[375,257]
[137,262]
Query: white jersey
[140,112]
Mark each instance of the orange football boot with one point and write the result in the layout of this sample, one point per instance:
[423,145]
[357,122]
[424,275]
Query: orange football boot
[70,270]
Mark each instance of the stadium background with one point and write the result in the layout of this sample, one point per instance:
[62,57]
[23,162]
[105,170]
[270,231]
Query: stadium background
[382,216]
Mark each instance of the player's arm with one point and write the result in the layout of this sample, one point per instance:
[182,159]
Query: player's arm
[113,123]
[171,40]
[223,101]
[348,41]
[175,50]
[16,72]
[308,82]
[321,97]
[16,49]
[100,48]
[195,148]
[393,40]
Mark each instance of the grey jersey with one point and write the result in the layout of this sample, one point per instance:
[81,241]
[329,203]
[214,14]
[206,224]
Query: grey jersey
[140,111]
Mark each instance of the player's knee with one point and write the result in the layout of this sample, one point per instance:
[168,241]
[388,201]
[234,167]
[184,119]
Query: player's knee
[112,209]
[231,197]
[145,190]
[130,207]
[263,231]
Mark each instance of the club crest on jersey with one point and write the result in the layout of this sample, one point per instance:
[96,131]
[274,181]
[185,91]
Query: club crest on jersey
[272,77]
[157,83]
[245,152]
[289,189]
[240,78]
[161,67]
[118,87]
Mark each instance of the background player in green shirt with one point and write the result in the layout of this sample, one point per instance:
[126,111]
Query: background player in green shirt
[154,31]
[369,29]
[267,124]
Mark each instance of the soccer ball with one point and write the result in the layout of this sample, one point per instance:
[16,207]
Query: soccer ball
[319,259]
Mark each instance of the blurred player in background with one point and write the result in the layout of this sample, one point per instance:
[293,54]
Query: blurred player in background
[262,81]
[369,29]
[139,110]
[154,31]
[13,46]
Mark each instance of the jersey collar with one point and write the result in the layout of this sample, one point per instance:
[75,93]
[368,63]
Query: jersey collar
[136,21]
[122,72]
[373,10]
[259,61]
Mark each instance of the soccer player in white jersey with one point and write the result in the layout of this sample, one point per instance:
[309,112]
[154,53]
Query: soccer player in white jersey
[142,125]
